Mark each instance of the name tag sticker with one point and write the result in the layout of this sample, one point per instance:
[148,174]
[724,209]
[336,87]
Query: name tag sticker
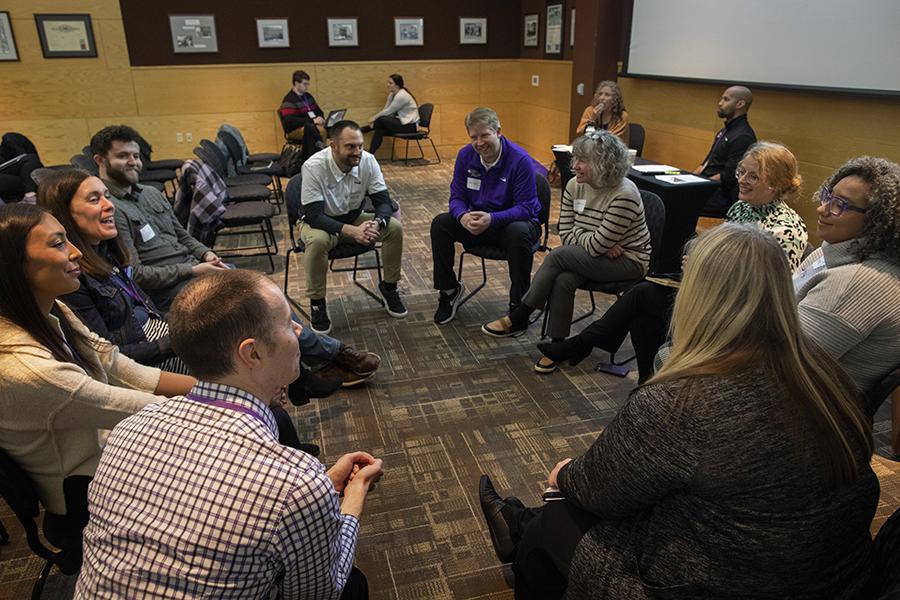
[311,115]
[147,233]
[473,184]
[578,205]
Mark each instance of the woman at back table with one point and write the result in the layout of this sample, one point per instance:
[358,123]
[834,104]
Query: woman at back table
[60,383]
[606,111]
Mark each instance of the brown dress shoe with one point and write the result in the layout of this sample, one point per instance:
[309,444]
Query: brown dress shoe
[348,377]
[360,363]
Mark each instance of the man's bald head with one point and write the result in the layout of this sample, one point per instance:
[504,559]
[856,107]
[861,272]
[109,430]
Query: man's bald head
[735,101]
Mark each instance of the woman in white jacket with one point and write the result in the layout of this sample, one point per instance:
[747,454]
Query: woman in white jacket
[399,115]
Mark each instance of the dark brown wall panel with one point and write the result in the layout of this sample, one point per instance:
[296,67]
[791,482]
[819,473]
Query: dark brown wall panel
[149,39]
[539,7]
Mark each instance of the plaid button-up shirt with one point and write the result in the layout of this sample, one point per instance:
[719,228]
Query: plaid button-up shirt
[198,499]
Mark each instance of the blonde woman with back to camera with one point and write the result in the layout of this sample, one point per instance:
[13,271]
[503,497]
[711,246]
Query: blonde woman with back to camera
[741,469]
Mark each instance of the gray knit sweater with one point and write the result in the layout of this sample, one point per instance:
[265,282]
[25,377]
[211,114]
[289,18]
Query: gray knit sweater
[717,498]
[852,310]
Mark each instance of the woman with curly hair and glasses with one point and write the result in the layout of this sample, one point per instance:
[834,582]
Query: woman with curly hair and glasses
[848,291]
[604,235]
[606,111]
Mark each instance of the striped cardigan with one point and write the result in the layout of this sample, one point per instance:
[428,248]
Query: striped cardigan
[612,215]
[851,308]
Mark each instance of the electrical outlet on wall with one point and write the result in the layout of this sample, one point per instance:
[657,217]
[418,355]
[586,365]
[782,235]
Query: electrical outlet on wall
[179,137]
[535,80]
[189,137]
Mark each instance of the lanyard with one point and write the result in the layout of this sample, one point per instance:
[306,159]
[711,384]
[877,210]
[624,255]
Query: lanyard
[229,406]
[122,278]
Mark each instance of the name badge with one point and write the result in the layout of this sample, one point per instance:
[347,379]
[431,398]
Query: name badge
[147,233]
[473,183]
[311,115]
[578,205]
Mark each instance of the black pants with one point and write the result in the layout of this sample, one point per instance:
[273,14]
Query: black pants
[643,311]
[516,240]
[357,587]
[546,547]
[16,181]
[311,136]
[388,126]
[718,204]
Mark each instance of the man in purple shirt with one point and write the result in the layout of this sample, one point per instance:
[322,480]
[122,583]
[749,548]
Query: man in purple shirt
[493,202]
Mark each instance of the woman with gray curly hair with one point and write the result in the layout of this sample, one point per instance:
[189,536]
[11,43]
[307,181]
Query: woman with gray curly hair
[848,290]
[604,235]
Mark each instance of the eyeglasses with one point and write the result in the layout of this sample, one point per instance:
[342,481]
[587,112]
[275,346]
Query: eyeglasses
[836,204]
[752,178]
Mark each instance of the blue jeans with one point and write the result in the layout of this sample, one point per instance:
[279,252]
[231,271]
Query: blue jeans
[316,350]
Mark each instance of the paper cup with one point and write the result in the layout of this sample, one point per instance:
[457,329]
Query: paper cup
[632,154]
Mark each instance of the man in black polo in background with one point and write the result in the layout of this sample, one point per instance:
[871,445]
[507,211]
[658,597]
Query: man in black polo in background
[729,146]
[301,117]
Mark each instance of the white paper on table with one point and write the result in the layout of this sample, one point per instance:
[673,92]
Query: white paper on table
[654,168]
[677,179]
[563,148]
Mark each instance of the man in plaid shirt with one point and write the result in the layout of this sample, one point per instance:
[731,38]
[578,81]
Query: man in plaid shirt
[194,497]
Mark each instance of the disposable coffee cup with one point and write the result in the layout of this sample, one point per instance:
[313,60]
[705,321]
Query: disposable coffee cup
[632,154]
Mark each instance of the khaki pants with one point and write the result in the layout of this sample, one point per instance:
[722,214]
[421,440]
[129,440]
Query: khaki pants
[318,242]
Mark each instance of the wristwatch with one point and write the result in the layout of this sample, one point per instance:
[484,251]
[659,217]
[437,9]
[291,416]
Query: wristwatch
[382,222]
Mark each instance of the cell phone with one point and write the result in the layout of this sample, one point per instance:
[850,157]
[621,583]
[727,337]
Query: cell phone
[552,494]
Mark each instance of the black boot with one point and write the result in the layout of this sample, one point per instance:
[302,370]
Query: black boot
[572,350]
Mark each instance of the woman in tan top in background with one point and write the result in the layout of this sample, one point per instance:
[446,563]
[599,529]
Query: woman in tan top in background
[606,111]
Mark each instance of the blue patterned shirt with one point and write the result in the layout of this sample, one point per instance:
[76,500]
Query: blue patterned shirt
[197,499]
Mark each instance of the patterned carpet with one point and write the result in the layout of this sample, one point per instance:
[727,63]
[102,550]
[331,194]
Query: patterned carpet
[448,404]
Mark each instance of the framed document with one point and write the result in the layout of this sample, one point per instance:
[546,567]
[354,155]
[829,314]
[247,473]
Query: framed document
[273,33]
[472,31]
[193,33]
[8,50]
[409,32]
[554,31]
[531,30]
[343,32]
[66,36]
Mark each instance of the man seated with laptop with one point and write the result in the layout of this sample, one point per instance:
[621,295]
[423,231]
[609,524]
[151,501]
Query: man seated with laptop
[302,119]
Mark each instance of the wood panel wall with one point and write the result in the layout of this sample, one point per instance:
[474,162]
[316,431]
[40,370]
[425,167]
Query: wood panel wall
[822,130]
[60,103]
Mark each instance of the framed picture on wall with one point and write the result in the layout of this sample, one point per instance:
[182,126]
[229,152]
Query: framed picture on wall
[472,31]
[409,31]
[66,36]
[8,50]
[531,30]
[273,33]
[343,32]
[572,29]
[554,30]
[192,34]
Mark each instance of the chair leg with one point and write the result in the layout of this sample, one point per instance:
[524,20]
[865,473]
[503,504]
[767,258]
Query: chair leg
[38,588]
[355,270]
[590,312]
[483,278]
[406,155]
[287,269]
[393,141]
[435,150]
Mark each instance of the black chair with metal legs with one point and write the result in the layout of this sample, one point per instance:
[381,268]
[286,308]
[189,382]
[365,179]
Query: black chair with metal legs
[636,138]
[18,490]
[486,253]
[423,133]
[341,251]
[271,168]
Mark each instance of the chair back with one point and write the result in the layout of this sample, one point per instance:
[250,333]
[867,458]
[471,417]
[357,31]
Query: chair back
[876,396]
[425,112]
[636,138]
[292,199]
[146,148]
[209,153]
[543,194]
[655,216]
[235,152]
[38,176]
[81,161]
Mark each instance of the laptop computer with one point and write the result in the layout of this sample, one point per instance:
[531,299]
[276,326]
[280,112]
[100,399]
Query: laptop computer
[334,116]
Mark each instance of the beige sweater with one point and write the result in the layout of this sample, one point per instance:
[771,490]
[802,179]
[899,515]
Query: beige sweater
[51,412]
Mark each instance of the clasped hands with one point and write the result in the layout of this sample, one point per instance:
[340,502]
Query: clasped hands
[355,472]
[364,234]
[476,222]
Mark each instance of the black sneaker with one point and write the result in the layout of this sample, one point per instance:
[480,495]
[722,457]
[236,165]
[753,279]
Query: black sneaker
[392,301]
[447,305]
[318,319]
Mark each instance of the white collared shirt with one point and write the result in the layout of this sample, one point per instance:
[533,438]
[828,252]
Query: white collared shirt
[488,167]
[342,193]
